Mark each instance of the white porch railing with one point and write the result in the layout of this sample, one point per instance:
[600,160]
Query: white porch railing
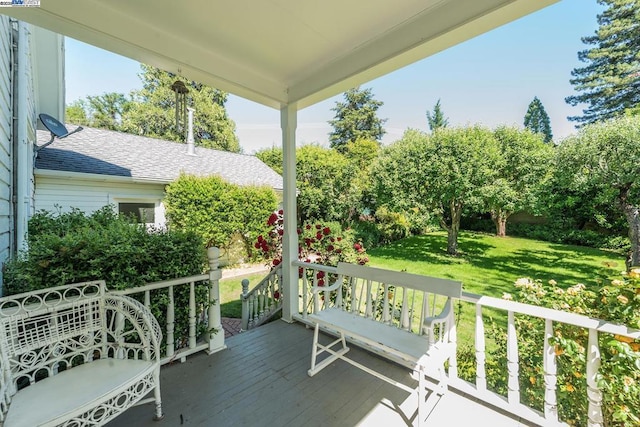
[207,314]
[511,402]
[263,301]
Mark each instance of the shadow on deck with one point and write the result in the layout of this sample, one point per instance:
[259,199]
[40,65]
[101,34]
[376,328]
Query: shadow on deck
[261,380]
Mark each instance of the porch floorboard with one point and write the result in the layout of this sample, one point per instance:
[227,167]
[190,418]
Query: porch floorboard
[261,380]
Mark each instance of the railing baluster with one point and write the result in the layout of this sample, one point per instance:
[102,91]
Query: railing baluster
[245,304]
[512,360]
[147,298]
[481,374]
[170,324]
[404,314]
[305,294]
[385,304]
[369,305]
[594,395]
[192,315]
[550,378]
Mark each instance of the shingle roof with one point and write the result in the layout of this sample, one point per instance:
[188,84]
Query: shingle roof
[104,152]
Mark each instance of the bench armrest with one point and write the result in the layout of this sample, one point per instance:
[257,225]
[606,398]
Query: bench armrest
[141,318]
[336,285]
[444,316]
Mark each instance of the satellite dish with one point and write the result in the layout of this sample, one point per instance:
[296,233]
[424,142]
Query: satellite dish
[57,129]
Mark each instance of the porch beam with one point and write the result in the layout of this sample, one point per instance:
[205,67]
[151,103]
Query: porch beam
[288,123]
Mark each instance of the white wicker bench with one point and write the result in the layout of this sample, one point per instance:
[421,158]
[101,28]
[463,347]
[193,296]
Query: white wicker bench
[75,356]
[405,317]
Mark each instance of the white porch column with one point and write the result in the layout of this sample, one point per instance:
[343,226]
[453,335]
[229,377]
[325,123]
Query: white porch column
[288,122]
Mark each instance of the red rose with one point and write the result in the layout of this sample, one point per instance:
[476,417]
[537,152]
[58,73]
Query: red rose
[299,231]
[320,274]
[330,248]
[308,227]
[332,240]
[280,231]
[276,295]
[318,235]
[357,246]
[257,245]
[338,251]
[320,282]
[318,226]
[272,219]
[281,212]
[339,238]
[326,230]
[276,262]
[300,272]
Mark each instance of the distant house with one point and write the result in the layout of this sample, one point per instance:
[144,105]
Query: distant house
[95,167]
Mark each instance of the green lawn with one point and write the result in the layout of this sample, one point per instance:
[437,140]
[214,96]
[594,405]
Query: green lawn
[489,265]
[230,290]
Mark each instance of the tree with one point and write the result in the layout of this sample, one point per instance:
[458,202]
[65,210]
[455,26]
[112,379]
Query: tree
[610,82]
[152,112]
[537,120]
[356,118]
[522,173]
[101,111]
[447,171]
[605,156]
[436,120]
[323,179]
[76,113]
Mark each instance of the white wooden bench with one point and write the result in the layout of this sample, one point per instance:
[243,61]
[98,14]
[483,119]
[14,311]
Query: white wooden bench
[75,356]
[407,318]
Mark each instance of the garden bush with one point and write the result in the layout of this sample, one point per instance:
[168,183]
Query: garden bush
[74,247]
[217,211]
[619,375]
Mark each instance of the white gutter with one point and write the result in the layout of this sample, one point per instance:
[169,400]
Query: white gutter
[24,155]
[97,177]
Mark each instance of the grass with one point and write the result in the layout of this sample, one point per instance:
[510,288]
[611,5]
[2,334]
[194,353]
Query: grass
[230,291]
[489,265]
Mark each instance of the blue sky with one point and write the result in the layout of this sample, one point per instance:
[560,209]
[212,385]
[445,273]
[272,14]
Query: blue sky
[490,80]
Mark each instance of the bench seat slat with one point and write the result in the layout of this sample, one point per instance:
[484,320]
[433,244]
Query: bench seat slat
[397,341]
[74,391]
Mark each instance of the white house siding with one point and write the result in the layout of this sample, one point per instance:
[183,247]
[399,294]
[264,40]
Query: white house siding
[5,142]
[63,193]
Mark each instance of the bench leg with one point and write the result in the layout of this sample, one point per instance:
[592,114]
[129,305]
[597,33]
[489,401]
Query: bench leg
[318,349]
[156,394]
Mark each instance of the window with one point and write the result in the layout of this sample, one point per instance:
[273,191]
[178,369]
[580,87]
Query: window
[142,212]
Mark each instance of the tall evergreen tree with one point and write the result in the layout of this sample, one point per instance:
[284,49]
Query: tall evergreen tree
[436,119]
[356,118]
[610,81]
[537,120]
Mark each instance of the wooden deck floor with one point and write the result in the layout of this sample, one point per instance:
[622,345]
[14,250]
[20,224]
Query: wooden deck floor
[261,380]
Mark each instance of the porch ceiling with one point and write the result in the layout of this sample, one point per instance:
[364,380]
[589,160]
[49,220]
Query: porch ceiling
[276,52]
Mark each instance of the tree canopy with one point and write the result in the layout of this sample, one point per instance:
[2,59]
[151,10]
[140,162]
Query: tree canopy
[151,111]
[609,83]
[436,119]
[447,171]
[605,156]
[537,120]
[356,118]
[522,173]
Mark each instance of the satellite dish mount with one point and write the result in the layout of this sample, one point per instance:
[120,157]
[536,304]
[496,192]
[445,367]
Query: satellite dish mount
[57,129]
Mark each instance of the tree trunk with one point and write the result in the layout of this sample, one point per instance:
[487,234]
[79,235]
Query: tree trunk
[499,218]
[453,229]
[632,213]
[633,220]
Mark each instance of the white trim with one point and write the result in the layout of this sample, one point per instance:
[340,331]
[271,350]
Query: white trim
[288,122]
[97,177]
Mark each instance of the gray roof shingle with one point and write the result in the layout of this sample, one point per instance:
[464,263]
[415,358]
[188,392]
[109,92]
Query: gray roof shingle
[105,152]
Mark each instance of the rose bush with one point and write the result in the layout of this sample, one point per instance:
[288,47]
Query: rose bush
[619,374]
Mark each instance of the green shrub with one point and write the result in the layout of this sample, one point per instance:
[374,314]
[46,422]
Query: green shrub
[217,211]
[619,374]
[391,225]
[73,247]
